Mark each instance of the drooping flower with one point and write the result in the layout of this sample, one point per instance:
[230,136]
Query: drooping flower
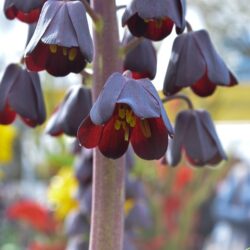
[27,11]
[196,136]
[127,110]
[141,60]
[20,93]
[154,19]
[61,42]
[68,116]
[195,63]
[76,223]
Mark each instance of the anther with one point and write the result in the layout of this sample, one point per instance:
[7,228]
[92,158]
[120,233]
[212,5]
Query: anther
[65,52]
[53,48]
[72,54]
[117,125]
[145,128]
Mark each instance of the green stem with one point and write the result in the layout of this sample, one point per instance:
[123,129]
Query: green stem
[108,181]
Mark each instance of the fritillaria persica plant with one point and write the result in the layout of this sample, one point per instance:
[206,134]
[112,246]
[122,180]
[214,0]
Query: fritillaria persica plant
[126,107]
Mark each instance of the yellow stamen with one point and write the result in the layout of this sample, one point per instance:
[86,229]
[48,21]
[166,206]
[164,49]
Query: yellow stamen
[128,115]
[53,48]
[132,122]
[72,54]
[145,128]
[117,125]
[126,134]
[65,52]
[121,113]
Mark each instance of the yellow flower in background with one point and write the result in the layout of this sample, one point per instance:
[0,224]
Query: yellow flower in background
[7,136]
[61,192]
[128,205]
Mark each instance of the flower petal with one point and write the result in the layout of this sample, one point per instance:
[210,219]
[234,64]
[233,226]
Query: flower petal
[49,10]
[88,133]
[209,126]
[112,143]
[10,76]
[186,65]
[143,104]
[154,146]
[217,70]
[26,97]
[181,127]
[78,17]
[104,106]
[152,91]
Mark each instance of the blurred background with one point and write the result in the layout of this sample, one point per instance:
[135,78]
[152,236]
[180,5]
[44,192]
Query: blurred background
[182,208]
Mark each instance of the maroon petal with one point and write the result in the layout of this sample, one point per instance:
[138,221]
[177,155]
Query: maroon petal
[7,115]
[112,143]
[89,134]
[154,146]
[204,87]
[26,10]
[159,29]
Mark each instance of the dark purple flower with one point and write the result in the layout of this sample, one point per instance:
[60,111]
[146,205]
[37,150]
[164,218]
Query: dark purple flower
[61,42]
[139,217]
[141,60]
[83,167]
[78,243]
[68,116]
[195,63]
[27,11]
[154,19]
[76,224]
[20,93]
[127,110]
[196,136]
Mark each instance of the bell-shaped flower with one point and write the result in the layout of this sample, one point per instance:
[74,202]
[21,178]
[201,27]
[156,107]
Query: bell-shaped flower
[76,223]
[83,167]
[196,137]
[68,116]
[61,42]
[140,60]
[195,63]
[21,93]
[127,110]
[155,19]
[27,11]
